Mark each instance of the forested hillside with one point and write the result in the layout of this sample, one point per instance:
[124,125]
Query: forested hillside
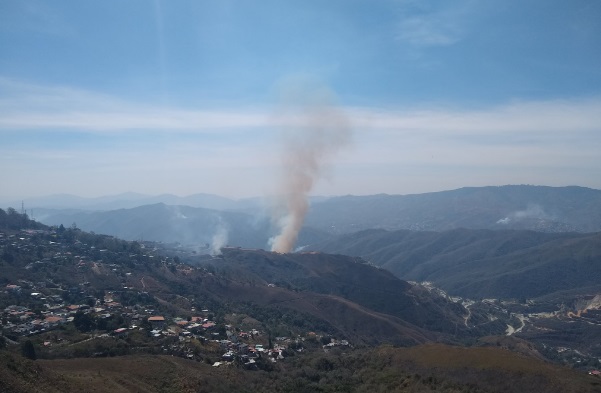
[482,263]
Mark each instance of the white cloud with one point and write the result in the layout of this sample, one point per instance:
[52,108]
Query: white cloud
[25,106]
[427,32]
[235,151]
[32,107]
[424,25]
[564,116]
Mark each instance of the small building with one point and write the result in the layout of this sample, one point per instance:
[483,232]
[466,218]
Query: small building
[228,356]
[157,322]
[121,332]
[208,325]
[13,288]
[53,320]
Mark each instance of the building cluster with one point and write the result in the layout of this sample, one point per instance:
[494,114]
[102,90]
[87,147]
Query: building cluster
[63,288]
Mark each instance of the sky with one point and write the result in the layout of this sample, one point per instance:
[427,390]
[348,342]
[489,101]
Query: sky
[184,97]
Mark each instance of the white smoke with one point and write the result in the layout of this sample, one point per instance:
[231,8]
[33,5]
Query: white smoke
[319,129]
[219,238]
[532,211]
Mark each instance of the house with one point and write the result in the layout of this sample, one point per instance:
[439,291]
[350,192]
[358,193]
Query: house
[157,322]
[228,356]
[208,325]
[53,320]
[13,288]
[121,332]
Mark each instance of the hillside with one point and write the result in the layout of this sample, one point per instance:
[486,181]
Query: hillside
[319,292]
[375,291]
[71,294]
[482,263]
[423,369]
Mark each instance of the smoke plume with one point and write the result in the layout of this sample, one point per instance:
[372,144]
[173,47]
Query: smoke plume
[315,130]
[532,211]
[219,238]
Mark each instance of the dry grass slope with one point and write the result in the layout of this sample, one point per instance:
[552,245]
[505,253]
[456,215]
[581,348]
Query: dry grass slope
[425,368]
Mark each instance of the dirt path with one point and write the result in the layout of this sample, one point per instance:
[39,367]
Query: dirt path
[469,314]
[511,330]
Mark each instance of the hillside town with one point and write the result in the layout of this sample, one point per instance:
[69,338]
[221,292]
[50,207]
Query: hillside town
[74,315]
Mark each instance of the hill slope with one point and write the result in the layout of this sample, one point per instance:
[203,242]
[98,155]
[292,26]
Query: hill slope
[334,293]
[374,291]
[422,368]
[482,263]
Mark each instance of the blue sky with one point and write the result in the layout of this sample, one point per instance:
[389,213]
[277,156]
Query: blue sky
[183,97]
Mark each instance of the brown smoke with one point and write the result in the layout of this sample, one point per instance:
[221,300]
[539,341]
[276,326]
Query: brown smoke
[316,131]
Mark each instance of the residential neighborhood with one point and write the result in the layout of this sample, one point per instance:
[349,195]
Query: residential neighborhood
[77,315]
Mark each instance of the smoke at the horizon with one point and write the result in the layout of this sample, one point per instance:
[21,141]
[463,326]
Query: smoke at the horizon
[319,130]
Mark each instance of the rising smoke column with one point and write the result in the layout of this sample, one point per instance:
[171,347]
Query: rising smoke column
[219,238]
[315,130]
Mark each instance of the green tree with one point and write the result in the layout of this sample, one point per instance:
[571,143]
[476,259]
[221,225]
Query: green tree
[83,322]
[28,350]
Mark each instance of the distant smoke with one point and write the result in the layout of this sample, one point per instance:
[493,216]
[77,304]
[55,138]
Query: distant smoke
[532,211]
[219,238]
[319,130]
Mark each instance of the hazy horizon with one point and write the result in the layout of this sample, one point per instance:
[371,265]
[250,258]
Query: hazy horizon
[137,195]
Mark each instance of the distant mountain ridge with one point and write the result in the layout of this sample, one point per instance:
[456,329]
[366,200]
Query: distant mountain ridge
[537,208]
[540,208]
[177,224]
[130,200]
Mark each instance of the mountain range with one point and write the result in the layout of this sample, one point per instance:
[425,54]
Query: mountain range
[194,226]
[247,223]
[540,208]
